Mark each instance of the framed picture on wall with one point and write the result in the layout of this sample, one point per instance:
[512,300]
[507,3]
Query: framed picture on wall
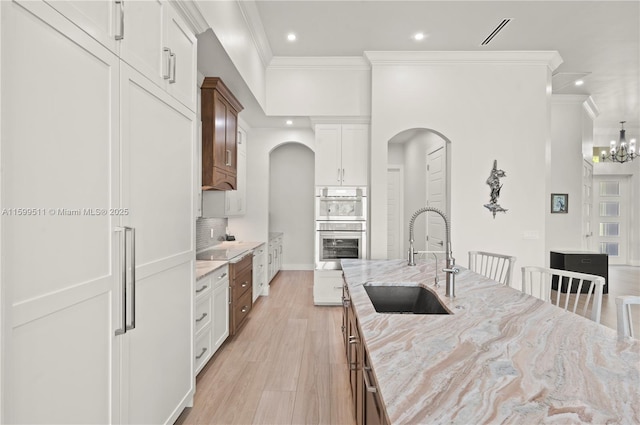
[559,203]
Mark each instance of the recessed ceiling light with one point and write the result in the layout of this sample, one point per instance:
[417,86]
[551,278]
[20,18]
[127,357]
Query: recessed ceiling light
[418,36]
[289,122]
[579,82]
[291,37]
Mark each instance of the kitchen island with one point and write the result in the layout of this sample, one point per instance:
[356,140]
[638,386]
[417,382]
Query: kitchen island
[500,357]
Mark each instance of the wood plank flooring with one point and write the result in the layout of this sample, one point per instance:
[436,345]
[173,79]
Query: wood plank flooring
[287,364]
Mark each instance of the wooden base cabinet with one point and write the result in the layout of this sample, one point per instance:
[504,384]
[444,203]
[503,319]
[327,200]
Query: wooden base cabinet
[367,404]
[241,283]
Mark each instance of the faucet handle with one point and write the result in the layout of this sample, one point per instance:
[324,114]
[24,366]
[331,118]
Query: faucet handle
[453,270]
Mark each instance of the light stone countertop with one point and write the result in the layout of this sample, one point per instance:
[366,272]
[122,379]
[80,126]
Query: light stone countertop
[205,267]
[502,357]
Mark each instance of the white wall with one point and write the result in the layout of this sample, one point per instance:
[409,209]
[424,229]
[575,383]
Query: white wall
[570,126]
[318,87]
[227,21]
[291,203]
[488,107]
[254,225]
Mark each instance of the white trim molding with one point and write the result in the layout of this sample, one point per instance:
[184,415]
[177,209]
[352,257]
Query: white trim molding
[340,120]
[252,18]
[191,13]
[551,58]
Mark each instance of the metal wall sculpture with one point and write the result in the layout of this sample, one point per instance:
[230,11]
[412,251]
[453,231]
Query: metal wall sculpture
[494,183]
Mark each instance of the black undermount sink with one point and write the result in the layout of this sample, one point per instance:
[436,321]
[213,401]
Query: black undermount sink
[404,300]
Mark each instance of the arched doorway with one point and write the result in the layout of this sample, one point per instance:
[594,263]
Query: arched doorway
[417,176]
[291,202]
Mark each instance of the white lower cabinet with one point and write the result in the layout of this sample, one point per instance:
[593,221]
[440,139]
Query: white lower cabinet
[259,271]
[211,320]
[327,287]
[274,255]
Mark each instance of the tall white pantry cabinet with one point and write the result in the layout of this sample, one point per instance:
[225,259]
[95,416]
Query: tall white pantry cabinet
[97,180]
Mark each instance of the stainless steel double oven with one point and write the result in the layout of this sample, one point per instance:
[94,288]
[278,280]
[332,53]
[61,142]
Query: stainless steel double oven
[341,225]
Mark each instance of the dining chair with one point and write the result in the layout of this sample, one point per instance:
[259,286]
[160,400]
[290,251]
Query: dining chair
[623,308]
[498,267]
[565,289]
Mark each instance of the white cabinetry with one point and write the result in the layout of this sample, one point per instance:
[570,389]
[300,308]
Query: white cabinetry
[342,154]
[212,315]
[259,271]
[327,287]
[230,203]
[86,142]
[274,256]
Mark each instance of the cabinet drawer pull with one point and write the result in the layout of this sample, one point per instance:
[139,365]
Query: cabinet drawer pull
[228,161]
[172,61]
[367,384]
[201,289]
[201,317]
[222,275]
[120,34]
[245,284]
[244,309]
[204,350]
[167,72]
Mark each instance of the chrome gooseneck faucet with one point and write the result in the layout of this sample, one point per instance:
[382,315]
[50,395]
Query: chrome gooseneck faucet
[450,269]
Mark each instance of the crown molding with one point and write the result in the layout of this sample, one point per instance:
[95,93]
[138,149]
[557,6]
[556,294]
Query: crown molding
[357,63]
[252,18]
[191,13]
[551,59]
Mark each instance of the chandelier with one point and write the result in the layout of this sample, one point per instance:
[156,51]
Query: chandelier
[620,151]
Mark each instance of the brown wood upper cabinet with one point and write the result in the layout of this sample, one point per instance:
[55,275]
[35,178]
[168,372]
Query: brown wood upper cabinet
[220,111]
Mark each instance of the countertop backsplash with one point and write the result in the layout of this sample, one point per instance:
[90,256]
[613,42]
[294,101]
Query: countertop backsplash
[203,231]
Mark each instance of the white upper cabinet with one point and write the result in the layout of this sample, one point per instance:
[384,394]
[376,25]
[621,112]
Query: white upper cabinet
[140,29]
[342,154]
[182,62]
[149,35]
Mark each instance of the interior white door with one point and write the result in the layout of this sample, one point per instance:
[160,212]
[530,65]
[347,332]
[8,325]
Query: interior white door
[158,135]
[395,233]
[59,165]
[436,198]
[611,217]
[587,205]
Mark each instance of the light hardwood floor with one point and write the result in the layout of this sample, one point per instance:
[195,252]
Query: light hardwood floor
[285,366]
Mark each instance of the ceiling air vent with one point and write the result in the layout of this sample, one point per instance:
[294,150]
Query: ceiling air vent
[496,31]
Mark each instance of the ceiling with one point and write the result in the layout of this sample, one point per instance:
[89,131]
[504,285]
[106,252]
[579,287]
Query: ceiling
[598,40]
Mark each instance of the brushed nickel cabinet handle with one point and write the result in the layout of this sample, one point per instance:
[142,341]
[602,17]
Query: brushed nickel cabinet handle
[245,284]
[172,62]
[222,275]
[201,289]
[166,74]
[120,34]
[204,350]
[201,318]
[367,384]
[338,179]
[244,309]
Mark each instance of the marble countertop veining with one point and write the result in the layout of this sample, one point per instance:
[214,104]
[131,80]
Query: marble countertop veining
[204,267]
[501,357]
